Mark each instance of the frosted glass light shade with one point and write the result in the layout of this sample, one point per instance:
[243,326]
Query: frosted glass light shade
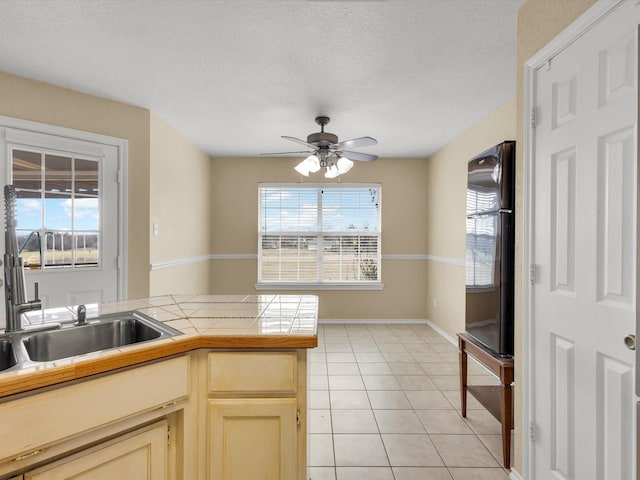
[332,172]
[344,165]
[312,163]
[302,168]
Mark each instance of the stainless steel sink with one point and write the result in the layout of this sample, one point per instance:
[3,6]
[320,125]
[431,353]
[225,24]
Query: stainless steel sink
[101,333]
[24,348]
[7,355]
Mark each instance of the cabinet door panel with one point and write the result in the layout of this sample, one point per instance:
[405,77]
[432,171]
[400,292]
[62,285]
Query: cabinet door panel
[253,372]
[140,455]
[32,425]
[252,438]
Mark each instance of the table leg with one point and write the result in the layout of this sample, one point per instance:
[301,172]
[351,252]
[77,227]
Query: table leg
[506,401]
[463,379]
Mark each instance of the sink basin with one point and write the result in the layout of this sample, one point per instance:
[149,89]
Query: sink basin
[7,355]
[101,333]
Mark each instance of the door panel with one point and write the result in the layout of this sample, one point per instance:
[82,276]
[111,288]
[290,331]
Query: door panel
[615,425]
[584,248]
[616,217]
[252,438]
[562,414]
[140,455]
[68,195]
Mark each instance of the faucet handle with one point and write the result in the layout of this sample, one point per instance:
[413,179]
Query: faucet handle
[36,296]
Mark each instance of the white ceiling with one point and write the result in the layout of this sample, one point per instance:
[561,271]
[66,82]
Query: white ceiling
[234,75]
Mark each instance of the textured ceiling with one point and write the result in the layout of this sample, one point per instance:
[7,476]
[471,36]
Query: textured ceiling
[234,75]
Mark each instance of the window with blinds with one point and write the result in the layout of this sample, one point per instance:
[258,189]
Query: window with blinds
[482,218]
[319,234]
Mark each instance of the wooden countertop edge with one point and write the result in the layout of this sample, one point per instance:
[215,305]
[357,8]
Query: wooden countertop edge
[33,379]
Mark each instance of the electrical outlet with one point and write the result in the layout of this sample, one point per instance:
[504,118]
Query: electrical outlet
[156,230]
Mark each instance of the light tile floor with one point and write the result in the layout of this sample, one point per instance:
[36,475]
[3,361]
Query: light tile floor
[384,404]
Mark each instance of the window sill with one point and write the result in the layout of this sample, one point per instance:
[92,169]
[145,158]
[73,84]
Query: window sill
[319,286]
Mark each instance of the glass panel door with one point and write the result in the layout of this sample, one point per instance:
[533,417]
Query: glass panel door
[58,209]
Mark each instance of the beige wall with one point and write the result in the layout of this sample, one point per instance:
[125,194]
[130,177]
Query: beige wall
[40,102]
[179,205]
[412,190]
[234,221]
[539,21]
[446,187]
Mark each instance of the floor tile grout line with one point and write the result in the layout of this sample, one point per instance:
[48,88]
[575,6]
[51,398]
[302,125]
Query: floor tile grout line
[438,389]
[333,443]
[426,432]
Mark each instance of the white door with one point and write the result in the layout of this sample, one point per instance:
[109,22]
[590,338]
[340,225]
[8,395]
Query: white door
[67,215]
[584,248]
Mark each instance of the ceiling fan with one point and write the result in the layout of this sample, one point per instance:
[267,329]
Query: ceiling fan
[326,152]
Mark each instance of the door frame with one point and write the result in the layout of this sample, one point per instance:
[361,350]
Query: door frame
[122,146]
[569,35]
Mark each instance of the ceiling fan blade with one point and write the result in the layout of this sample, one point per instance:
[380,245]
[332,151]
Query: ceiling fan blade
[301,142]
[361,157]
[308,152]
[357,143]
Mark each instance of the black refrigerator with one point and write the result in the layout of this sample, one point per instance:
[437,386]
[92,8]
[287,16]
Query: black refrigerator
[490,245]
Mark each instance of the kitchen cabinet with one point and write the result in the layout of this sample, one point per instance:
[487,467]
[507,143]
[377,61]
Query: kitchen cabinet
[256,407]
[140,454]
[217,414]
[252,438]
[57,422]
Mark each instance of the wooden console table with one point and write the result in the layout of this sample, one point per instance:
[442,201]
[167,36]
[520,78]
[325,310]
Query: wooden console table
[490,397]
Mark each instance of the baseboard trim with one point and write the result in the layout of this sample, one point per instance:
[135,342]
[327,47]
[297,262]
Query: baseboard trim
[455,342]
[515,475]
[364,321]
[442,332]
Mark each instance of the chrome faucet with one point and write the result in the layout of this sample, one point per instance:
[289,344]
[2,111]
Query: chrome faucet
[14,286]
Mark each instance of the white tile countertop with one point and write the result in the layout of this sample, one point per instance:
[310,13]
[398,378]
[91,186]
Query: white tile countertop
[246,315]
[205,321]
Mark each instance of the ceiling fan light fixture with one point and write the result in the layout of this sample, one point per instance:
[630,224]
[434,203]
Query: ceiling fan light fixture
[344,165]
[327,153]
[313,164]
[332,171]
[303,168]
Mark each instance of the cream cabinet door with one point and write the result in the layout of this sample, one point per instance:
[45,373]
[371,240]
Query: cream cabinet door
[252,439]
[141,455]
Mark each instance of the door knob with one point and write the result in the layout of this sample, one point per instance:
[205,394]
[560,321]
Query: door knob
[630,341]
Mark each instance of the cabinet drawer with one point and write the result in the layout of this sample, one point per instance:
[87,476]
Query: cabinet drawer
[39,420]
[253,372]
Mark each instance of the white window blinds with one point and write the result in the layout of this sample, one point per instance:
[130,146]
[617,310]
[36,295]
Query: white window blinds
[482,217]
[319,233]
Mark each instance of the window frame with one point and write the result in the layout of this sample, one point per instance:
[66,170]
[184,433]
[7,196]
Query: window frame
[43,231]
[114,153]
[319,233]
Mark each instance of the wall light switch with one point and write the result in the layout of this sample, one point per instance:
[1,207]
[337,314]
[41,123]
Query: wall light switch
[155,230]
